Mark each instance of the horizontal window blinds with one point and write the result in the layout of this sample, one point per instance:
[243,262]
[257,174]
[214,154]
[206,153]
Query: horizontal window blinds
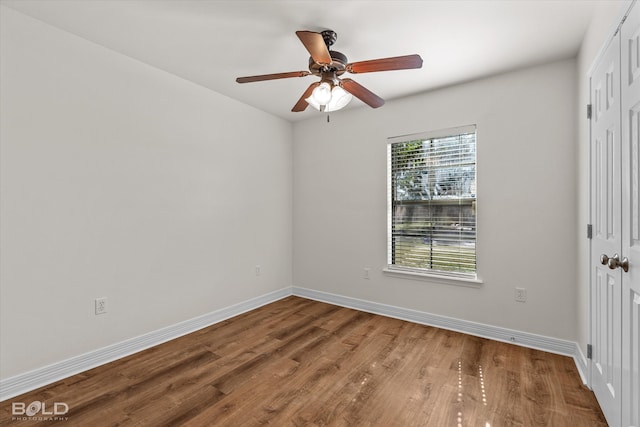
[432,202]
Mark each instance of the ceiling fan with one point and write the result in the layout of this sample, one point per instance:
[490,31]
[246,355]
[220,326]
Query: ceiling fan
[332,92]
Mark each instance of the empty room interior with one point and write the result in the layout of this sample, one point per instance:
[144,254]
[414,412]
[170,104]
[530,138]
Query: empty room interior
[349,213]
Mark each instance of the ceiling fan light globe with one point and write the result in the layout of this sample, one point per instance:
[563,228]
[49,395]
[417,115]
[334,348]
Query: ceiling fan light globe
[339,99]
[322,94]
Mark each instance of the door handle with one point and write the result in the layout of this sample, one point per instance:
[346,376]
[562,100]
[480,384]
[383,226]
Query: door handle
[614,262]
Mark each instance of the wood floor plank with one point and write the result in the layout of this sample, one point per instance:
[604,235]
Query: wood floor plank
[299,362]
[325,380]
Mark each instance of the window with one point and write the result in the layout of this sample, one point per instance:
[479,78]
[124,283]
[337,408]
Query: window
[432,203]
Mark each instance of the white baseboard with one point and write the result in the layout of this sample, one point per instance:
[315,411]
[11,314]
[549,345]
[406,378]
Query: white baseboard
[32,380]
[496,333]
[28,381]
[582,365]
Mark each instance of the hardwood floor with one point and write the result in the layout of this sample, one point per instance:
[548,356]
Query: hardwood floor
[298,362]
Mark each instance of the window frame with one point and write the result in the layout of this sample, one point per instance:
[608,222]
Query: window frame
[457,278]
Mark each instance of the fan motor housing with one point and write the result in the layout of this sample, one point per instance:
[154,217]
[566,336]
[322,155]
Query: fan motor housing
[338,64]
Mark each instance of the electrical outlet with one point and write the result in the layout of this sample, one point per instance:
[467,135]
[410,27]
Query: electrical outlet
[521,294]
[101,305]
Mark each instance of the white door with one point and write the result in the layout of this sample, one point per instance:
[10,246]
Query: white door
[606,283]
[615,213]
[630,106]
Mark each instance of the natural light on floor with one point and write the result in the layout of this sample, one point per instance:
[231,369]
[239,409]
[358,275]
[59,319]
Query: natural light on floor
[482,391]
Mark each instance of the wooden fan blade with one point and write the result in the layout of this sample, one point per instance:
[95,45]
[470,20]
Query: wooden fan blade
[314,43]
[362,93]
[301,105]
[386,64]
[272,76]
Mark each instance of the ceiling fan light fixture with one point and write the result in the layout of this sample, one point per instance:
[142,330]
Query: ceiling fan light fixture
[337,98]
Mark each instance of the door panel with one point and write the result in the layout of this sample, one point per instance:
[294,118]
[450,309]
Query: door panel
[606,213]
[630,106]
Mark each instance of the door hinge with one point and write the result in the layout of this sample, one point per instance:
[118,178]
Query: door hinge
[589,351]
[589,111]
[589,231]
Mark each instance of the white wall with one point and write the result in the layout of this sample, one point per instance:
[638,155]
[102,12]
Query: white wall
[526,200]
[122,181]
[606,17]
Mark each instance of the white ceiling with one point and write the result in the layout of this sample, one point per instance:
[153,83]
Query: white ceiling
[211,42]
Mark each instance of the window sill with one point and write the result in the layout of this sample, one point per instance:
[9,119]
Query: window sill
[430,277]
